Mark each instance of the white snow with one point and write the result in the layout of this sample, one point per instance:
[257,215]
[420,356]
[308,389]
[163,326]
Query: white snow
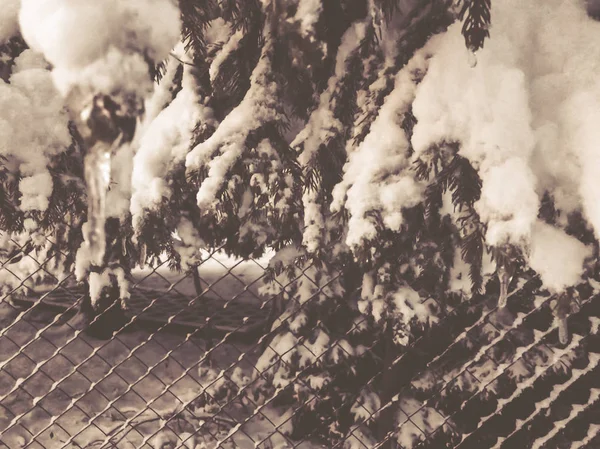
[9,19]
[217,31]
[36,190]
[377,176]
[525,115]
[162,94]
[220,152]
[230,46]
[409,305]
[322,126]
[307,15]
[557,257]
[97,282]
[74,33]
[28,60]
[98,46]
[119,194]
[164,143]
[509,208]
[114,72]
[366,406]
[476,107]
[188,243]
[31,98]
[415,420]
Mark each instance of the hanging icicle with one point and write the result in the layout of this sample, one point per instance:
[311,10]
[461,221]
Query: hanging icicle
[565,305]
[102,138]
[376,18]
[505,269]
[472,58]
[562,312]
[143,255]
[97,178]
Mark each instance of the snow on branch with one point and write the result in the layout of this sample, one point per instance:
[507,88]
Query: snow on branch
[322,126]
[164,144]
[525,116]
[231,45]
[307,15]
[101,46]
[487,109]
[34,128]
[9,19]
[220,152]
[557,257]
[377,176]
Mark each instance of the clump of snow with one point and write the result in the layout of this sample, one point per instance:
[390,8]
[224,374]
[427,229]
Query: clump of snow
[9,19]
[114,72]
[100,44]
[280,348]
[72,33]
[579,115]
[314,348]
[97,282]
[31,98]
[28,60]
[217,31]
[508,203]
[230,46]
[187,243]
[409,304]
[377,176]
[307,15]
[162,94]
[415,420]
[83,258]
[366,406]
[36,190]
[557,257]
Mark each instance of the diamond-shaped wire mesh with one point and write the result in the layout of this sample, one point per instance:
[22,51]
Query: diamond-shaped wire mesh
[183,371]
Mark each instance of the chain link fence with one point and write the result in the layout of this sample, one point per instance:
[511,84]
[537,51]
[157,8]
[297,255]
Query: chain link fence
[180,372]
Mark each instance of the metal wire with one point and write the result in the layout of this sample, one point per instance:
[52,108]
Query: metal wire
[141,404]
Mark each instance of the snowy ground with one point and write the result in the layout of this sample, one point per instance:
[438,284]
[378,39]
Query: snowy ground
[225,276]
[94,387]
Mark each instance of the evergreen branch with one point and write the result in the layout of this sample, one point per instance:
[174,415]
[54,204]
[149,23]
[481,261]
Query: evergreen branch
[476,25]
[472,248]
[464,182]
[388,8]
